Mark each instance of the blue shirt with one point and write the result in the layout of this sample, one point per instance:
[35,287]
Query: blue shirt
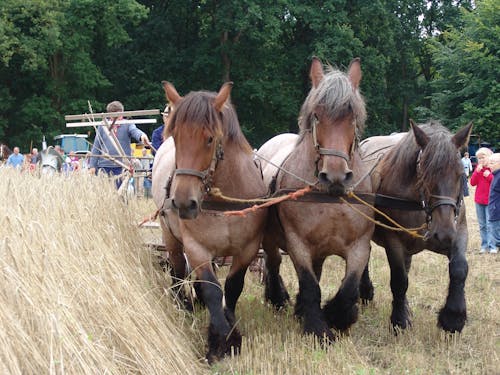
[103,145]
[157,138]
[15,161]
[494,199]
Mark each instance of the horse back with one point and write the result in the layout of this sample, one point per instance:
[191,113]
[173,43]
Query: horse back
[372,151]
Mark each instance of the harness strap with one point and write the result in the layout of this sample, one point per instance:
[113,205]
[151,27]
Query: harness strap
[331,152]
[191,172]
[387,201]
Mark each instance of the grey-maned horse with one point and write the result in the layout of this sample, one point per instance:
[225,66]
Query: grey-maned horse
[51,161]
[326,156]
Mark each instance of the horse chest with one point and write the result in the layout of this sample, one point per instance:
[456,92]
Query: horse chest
[223,234]
[325,226]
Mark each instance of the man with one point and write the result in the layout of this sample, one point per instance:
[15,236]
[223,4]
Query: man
[16,159]
[467,164]
[157,136]
[104,144]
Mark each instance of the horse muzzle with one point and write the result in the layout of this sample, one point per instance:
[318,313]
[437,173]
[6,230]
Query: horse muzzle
[187,209]
[335,183]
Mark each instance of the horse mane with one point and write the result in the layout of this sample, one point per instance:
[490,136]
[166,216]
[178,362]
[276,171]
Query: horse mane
[438,159]
[196,110]
[336,94]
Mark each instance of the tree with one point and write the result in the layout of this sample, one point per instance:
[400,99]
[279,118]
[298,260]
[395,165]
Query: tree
[50,60]
[468,84]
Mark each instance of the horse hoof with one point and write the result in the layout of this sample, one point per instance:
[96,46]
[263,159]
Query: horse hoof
[340,318]
[219,346]
[451,321]
[398,327]
[366,294]
[275,292]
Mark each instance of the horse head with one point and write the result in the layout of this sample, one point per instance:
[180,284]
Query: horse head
[51,161]
[334,112]
[5,152]
[196,125]
[440,180]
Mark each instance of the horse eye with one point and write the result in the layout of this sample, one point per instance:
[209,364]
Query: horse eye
[210,140]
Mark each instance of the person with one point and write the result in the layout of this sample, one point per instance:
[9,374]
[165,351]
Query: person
[35,156]
[146,166]
[467,164]
[74,161]
[481,178]
[104,145]
[157,136]
[494,201]
[16,159]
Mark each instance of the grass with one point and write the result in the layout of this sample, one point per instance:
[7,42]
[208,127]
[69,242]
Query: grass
[82,294]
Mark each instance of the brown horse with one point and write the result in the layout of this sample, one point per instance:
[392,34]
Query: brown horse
[210,152]
[422,169]
[5,152]
[326,157]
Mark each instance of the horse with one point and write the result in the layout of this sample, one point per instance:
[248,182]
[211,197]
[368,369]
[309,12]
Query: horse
[324,156]
[5,152]
[423,169]
[207,150]
[51,161]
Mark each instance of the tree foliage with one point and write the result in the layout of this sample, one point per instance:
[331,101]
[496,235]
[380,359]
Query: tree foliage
[58,55]
[468,65]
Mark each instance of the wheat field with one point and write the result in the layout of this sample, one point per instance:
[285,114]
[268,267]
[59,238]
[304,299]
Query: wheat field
[83,294]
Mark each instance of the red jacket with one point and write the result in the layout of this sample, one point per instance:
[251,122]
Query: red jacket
[482,185]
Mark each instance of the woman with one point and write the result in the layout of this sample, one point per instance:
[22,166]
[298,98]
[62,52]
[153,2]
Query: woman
[481,179]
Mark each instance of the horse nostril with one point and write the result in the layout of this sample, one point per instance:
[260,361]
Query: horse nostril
[193,205]
[323,178]
[348,176]
[174,205]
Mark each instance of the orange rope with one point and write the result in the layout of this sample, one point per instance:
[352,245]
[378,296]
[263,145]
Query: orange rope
[152,217]
[293,195]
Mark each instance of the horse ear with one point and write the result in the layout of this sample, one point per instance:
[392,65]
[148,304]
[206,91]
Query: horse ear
[170,92]
[461,138]
[316,73]
[420,136]
[354,72]
[223,95]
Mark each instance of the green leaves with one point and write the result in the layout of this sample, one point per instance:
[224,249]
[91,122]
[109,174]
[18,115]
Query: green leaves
[419,58]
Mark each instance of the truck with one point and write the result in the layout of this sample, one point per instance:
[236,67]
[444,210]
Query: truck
[76,143]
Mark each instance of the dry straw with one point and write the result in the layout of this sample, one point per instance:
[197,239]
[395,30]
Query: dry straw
[79,295]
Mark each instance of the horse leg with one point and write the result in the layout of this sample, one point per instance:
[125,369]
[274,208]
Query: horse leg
[178,267]
[275,290]
[453,315]
[219,329]
[366,290]
[342,311]
[318,267]
[399,264]
[308,301]
[232,290]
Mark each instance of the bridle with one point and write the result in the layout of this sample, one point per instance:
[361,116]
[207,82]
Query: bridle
[206,175]
[438,200]
[329,151]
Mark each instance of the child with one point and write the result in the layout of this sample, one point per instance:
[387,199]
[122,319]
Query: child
[494,200]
